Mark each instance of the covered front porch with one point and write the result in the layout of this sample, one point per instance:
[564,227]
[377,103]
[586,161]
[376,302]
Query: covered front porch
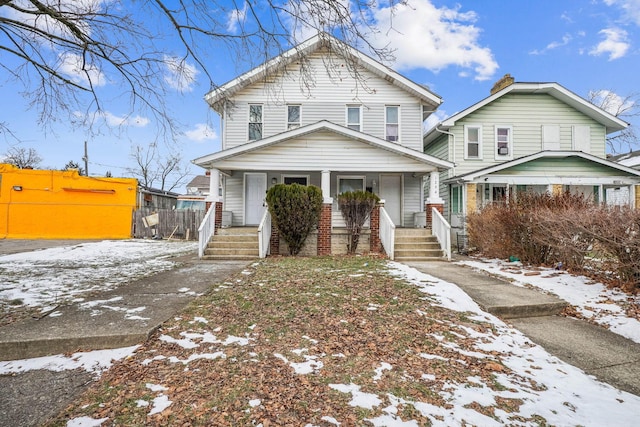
[335,159]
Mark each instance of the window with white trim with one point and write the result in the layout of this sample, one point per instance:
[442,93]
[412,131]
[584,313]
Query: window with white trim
[295,179]
[473,142]
[504,142]
[456,199]
[255,122]
[350,183]
[581,135]
[354,117]
[293,117]
[392,123]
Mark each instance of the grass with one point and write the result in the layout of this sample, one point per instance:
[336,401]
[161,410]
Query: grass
[297,307]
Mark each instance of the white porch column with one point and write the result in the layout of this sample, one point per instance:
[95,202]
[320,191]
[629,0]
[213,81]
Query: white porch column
[214,185]
[434,189]
[325,184]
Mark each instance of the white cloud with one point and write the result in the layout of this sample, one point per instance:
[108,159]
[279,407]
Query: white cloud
[201,132]
[553,45]
[420,34]
[113,120]
[74,66]
[611,102]
[615,44]
[180,75]
[236,16]
[630,8]
[434,119]
[425,36]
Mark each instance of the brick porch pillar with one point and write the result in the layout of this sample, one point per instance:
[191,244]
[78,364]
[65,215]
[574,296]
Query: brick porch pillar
[218,219]
[375,245]
[427,208]
[274,242]
[324,230]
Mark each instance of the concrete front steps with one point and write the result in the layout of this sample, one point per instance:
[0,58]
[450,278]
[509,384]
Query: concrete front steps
[416,244]
[235,243]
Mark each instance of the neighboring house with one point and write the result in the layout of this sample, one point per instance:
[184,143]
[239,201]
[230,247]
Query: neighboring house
[155,198]
[528,137]
[324,114]
[199,186]
[51,204]
[630,159]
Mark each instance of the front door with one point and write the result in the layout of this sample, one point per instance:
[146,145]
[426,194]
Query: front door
[255,188]
[391,193]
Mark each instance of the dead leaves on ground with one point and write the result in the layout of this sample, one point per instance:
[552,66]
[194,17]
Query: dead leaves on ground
[332,320]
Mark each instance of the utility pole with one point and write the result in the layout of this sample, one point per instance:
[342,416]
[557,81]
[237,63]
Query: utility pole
[86,160]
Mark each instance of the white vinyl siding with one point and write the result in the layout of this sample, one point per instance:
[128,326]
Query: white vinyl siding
[581,138]
[503,142]
[326,100]
[550,137]
[354,117]
[473,142]
[392,123]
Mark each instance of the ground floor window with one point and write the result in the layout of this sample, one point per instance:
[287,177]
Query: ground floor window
[295,179]
[350,183]
[456,199]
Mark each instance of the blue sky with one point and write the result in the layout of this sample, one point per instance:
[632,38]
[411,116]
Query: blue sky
[457,48]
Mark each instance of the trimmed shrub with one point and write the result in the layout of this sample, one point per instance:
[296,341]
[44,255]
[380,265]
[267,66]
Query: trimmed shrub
[295,211]
[356,207]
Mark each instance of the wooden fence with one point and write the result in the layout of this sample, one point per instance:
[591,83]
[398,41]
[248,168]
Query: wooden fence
[172,223]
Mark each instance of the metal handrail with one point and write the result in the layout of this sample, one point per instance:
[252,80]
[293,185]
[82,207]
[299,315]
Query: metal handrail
[206,230]
[264,234]
[387,233]
[442,230]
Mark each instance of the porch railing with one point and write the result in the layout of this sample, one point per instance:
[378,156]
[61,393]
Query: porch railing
[442,230]
[206,230]
[387,232]
[264,234]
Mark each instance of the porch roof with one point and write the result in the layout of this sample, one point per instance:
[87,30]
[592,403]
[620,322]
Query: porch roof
[503,167]
[308,148]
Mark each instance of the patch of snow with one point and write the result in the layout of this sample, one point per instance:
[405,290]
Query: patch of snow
[358,398]
[86,422]
[141,403]
[95,362]
[208,356]
[160,403]
[310,365]
[254,402]
[199,319]
[156,387]
[384,366]
[330,420]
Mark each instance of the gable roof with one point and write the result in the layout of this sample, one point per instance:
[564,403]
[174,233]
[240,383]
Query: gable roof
[323,125]
[632,158]
[611,122]
[216,97]
[539,155]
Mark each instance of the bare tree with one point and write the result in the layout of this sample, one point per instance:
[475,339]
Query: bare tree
[623,107]
[152,167]
[74,165]
[65,50]
[23,158]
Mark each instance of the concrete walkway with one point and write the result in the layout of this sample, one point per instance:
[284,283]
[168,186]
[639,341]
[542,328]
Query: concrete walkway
[608,356]
[119,318]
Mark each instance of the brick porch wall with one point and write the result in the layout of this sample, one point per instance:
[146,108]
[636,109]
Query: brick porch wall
[427,208]
[274,242]
[374,240]
[218,219]
[324,230]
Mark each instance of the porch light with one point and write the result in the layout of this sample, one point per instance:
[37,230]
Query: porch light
[274,180]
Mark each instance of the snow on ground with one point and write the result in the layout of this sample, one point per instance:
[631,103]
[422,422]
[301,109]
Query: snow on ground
[52,276]
[593,300]
[95,362]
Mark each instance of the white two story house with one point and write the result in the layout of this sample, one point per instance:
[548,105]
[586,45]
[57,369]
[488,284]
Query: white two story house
[528,137]
[323,114]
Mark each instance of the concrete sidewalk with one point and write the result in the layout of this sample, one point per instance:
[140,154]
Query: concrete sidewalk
[119,318]
[608,356]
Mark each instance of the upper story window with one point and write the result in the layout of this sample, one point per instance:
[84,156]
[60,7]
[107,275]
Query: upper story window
[293,117]
[581,135]
[550,137]
[354,117]
[473,142]
[504,142]
[255,122]
[392,123]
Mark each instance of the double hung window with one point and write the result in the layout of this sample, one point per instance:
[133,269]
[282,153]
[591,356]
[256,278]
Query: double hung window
[255,122]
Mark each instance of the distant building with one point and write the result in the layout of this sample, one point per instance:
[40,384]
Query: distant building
[154,198]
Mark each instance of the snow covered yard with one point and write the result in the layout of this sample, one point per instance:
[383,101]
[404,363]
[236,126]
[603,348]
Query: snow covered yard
[591,300]
[349,341]
[38,280]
